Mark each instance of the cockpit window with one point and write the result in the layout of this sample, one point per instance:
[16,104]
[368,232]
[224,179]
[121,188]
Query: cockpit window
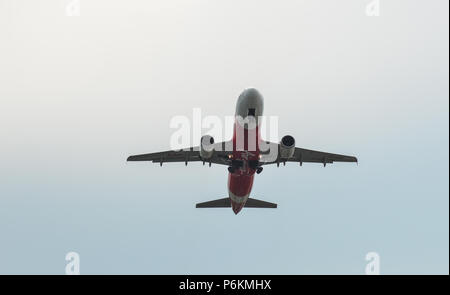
[251,112]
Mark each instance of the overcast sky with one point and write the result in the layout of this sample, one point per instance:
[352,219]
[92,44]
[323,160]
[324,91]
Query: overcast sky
[78,94]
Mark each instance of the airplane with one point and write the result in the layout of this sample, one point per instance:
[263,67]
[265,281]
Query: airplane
[245,155]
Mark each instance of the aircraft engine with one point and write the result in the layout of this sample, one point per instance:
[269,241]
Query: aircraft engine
[206,147]
[287,147]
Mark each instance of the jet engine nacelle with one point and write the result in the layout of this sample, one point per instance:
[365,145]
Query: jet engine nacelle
[287,147]
[206,147]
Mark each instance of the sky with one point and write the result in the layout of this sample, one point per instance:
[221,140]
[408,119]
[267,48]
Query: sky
[80,93]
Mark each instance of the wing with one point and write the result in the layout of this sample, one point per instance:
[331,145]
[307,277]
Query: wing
[192,154]
[272,156]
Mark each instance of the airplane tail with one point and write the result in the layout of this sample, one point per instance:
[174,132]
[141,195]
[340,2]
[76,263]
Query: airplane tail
[226,203]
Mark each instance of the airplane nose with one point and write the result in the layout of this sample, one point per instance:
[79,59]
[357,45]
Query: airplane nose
[252,95]
[250,99]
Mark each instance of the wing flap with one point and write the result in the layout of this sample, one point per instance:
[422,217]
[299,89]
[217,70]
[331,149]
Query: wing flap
[320,157]
[192,154]
[271,156]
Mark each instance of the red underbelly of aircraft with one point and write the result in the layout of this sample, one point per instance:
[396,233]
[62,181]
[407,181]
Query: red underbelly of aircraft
[240,184]
[241,181]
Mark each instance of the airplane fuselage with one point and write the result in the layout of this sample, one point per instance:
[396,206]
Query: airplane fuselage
[246,138]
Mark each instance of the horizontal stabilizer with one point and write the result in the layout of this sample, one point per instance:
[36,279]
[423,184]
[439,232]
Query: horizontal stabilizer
[226,203]
[220,203]
[254,203]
